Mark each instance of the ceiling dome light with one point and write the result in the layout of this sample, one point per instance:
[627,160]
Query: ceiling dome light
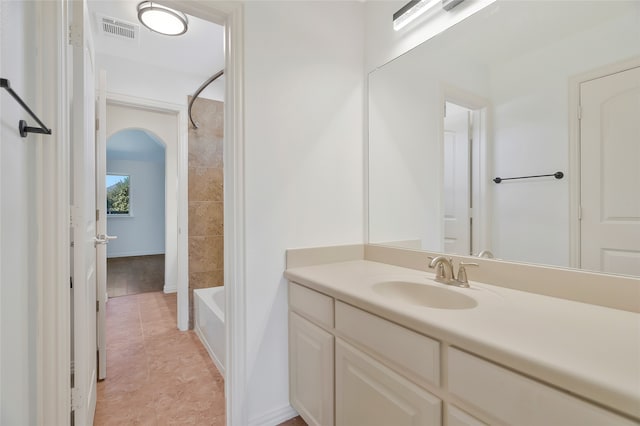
[162,19]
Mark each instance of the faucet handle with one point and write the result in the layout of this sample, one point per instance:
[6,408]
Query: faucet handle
[462,272]
[486,253]
[439,268]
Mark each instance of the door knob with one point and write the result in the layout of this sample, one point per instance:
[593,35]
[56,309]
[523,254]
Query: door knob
[103,239]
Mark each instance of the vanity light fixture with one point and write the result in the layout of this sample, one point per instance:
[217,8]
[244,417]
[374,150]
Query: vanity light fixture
[450,4]
[411,11]
[415,8]
[162,19]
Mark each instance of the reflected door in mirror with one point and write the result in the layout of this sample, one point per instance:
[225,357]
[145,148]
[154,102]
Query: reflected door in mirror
[610,181]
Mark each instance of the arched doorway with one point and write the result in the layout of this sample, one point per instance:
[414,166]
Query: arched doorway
[135,198]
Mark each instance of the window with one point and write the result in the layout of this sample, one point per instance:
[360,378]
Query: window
[118,195]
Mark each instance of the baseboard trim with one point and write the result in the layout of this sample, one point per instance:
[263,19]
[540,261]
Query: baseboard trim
[170,289]
[274,417]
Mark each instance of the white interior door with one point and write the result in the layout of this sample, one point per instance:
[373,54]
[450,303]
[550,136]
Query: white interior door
[610,173]
[101,223]
[83,217]
[457,188]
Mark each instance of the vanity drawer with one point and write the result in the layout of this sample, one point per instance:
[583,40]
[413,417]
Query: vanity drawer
[311,304]
[457,417]
[368,393]
[516,399]
[409,353]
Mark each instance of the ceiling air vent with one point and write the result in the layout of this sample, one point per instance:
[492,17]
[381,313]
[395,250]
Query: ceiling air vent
[120,29]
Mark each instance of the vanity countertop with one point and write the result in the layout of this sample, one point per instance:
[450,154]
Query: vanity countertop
[589,350]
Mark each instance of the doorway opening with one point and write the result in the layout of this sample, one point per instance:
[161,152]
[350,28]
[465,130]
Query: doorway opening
[173,356]
[161,87]
[466,197]
[458,179]
[135,200]
[73,339]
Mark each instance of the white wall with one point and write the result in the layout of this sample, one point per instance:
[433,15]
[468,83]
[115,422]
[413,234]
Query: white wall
[303,162]
[18,228]
[143,231]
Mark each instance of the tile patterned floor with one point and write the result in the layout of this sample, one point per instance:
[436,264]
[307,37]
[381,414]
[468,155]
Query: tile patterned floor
[156,375]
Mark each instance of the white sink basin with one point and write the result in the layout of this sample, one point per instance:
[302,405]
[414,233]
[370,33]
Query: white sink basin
[426,295]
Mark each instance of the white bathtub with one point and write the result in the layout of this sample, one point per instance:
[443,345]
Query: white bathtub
[209,322]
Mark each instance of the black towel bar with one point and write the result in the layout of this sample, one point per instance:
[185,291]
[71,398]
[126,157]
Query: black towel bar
[22,125]
[557,175]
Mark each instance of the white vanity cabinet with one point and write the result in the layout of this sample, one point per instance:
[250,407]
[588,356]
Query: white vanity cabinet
[311,386]
[371,380]
[378,391]
[311,355]
[411,354]
[349,367]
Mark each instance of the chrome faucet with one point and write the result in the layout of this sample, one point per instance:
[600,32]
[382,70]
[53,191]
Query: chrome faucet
[444,268]
[444,271]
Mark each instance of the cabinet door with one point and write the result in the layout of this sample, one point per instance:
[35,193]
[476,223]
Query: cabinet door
[310,371]
[368,393]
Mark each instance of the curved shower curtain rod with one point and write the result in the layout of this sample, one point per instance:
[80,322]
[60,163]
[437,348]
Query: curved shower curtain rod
[197,93]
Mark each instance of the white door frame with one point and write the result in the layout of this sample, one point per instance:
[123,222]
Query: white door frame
[182,157]
[53,190]
[101,222]
[231,15]
[574,149]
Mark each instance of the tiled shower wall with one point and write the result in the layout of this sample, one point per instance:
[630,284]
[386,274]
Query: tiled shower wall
[206,249]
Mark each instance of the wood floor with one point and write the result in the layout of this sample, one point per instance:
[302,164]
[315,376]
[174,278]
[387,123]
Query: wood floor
[135,274]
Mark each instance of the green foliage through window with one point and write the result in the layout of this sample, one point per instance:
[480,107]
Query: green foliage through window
[117,194]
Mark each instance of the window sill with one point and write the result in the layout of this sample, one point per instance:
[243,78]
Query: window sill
[112,216]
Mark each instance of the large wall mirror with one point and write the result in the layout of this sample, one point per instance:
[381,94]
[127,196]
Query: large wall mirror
[519,89]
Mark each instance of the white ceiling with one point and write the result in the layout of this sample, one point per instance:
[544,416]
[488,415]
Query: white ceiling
[198,52]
